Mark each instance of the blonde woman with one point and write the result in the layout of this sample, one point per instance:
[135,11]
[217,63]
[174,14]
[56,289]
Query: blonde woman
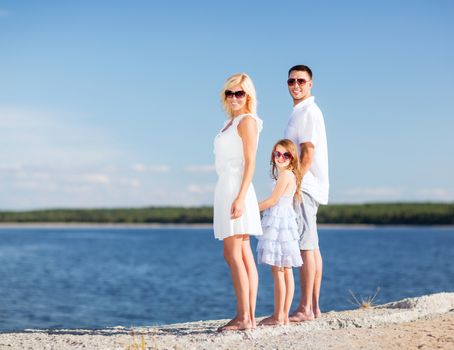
[236,211]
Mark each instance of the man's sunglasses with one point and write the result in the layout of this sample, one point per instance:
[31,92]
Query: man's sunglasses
[292,81]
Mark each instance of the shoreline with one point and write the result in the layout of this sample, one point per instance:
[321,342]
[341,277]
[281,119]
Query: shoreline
[99,225]
[424,322]
[52,225]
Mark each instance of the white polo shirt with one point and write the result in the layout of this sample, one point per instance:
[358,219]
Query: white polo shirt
[306,124]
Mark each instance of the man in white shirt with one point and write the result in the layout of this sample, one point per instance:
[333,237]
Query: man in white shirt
[306,128]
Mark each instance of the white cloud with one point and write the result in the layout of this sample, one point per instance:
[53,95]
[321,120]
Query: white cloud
[157,168]
[377,192]
[96,178]
[41,185]
[200,188]
[436,194]
[135,183]
[208,168]
[10,167]
[392,194]
[28,136]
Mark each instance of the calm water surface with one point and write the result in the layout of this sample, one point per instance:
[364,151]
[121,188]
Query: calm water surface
[100,277]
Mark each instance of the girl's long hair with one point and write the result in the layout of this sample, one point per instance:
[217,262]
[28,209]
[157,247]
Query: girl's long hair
[294,164]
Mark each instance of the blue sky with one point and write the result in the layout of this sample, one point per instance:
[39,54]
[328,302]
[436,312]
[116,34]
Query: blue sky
[115,103]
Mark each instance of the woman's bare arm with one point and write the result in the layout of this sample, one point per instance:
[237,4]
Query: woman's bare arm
[248,131]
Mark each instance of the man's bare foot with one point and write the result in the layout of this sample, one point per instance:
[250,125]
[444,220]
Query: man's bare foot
[300,315]
[236,325]
[270,321]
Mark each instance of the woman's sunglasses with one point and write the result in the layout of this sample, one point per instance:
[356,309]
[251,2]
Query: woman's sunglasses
[285,155]
[291,81]
[237,94]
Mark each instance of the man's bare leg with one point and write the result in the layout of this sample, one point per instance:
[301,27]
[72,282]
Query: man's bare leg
[307,277]
[317,283]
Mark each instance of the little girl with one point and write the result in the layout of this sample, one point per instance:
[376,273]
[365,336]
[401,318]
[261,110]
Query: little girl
[278,246]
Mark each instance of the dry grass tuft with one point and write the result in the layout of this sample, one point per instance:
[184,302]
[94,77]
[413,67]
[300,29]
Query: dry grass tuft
[364,303]
[136,345]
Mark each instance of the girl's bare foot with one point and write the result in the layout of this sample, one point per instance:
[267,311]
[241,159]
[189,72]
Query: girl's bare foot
[236,325]
[271,321]
[232,322]
[317,313]
[287,321]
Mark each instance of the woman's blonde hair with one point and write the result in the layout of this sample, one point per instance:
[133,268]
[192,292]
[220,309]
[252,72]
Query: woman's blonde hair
[294,164]
[243,80]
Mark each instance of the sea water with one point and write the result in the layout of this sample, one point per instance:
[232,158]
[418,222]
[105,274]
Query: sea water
[103,277]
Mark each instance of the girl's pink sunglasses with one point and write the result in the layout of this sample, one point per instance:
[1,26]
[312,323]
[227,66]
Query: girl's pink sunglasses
[285,155]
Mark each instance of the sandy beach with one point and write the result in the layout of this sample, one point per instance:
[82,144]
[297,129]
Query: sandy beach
[425,322]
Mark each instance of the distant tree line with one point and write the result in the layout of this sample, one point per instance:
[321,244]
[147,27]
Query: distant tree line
[388,214]
[378,214]
[126,216]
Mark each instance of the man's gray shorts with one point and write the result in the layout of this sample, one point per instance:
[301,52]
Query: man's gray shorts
[309,235]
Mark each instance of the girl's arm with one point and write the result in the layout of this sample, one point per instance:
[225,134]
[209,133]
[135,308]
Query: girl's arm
[281,185]
[247,129]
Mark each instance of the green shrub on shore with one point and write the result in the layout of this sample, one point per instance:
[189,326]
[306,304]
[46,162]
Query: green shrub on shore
[377,214]
[388,214]
[121,216]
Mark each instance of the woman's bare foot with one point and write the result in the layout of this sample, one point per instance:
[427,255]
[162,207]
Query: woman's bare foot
[317,313]
[236,325]
[271,321]
[254,324]
[301,315]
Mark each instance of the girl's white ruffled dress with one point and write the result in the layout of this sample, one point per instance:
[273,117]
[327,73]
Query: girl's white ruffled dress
[278,246]
[229,162]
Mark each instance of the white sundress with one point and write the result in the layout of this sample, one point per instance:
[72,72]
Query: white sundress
[278,246]
[229,163]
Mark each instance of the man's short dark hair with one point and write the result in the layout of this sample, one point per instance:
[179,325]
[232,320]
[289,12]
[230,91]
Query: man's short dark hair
[301,68]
